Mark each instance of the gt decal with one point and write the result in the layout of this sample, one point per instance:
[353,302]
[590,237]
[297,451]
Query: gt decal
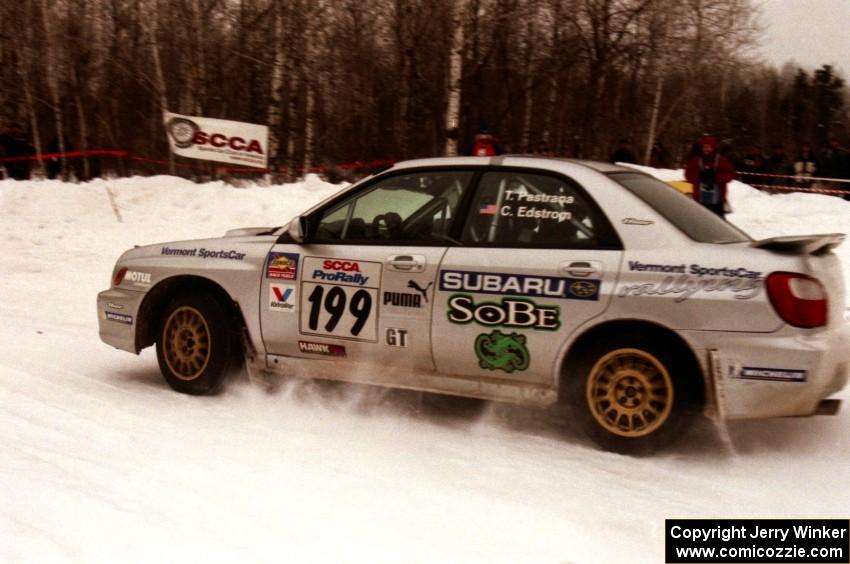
[397,337]
[508,312]
[500,351]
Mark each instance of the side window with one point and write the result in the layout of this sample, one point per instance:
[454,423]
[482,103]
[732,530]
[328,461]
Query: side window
[416,208]
[521,209]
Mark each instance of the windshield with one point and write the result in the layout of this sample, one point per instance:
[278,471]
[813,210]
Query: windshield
[688,216]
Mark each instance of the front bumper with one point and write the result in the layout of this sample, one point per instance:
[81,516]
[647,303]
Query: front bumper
[117,317]
[788,373]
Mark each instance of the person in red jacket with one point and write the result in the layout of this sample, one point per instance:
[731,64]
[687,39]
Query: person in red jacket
[709,172]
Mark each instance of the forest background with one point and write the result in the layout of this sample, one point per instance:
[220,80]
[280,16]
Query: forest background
[357,80]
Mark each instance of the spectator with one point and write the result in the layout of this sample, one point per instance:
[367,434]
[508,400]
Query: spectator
[778,165]
[659,156]
[833,161]
[542,149]
[624,153]
[15,144]
[805,166]
[54,164]
[485,145]
[752,164]
[709,173]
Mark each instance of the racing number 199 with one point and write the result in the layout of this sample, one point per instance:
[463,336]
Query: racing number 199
[334,303]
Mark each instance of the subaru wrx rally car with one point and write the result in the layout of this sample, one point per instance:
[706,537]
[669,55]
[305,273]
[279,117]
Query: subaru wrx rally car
[514,279]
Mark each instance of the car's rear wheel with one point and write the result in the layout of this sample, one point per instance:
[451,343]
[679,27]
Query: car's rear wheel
[631,393]
[195,347]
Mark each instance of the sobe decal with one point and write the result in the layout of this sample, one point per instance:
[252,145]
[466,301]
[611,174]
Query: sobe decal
[508,312]
[743,283]
[519,285]
[339,298]
[501,351]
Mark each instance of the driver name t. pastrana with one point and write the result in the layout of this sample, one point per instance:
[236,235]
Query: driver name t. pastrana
[559,199]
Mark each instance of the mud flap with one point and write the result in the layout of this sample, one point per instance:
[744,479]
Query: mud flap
[257,375]
[716,399]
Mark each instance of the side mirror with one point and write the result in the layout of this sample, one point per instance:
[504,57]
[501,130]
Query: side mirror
[298,229]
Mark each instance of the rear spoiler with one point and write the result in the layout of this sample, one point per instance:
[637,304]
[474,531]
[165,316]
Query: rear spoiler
[802,244]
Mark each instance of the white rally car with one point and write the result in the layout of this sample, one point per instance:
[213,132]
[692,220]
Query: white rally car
[515,279]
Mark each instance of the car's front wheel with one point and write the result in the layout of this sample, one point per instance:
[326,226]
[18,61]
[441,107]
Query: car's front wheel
[631,394]
[195,346]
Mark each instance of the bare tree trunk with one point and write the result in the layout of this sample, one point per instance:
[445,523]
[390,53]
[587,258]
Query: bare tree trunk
[52,76]
[273,115]
[309,157]
[653,118]
[150,24]
[25,63]
[290,126]
[455,74]
[84,144]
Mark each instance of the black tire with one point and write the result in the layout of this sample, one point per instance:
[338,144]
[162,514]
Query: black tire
[632,393]
[197,346]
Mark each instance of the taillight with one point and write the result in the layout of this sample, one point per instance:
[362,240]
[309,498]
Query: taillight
[119,276]
[799,300]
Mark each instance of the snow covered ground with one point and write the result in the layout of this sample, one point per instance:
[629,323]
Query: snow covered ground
[101,461]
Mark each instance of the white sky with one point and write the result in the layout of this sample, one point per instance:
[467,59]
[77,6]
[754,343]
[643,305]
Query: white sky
[811,32]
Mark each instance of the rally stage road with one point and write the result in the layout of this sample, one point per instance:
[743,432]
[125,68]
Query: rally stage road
[101,461]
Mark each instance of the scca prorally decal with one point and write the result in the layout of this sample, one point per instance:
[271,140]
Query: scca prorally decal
[500,351]
[321,348]
[204,253]
[342,272]
[685,286]
[509,312]
[142,279]
[694,269]
[282,266]
[396,337]
[340,298]
[774,374]
[119,317]
[282,297]
[519,285]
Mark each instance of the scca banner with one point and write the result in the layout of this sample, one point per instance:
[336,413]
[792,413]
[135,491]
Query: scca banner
[217,139]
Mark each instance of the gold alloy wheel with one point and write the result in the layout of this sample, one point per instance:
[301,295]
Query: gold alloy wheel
[186,343]
[630,393]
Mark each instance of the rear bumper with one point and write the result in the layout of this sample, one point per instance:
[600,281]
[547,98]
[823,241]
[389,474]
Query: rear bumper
[117,317]
[788,373]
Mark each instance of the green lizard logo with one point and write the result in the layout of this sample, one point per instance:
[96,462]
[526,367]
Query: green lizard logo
[498,351]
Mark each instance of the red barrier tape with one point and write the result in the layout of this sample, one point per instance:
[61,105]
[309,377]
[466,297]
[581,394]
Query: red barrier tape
[797,178]
[126,154]
[830,191]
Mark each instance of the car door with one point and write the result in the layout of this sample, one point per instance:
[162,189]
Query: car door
[361,286]
[538,258]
